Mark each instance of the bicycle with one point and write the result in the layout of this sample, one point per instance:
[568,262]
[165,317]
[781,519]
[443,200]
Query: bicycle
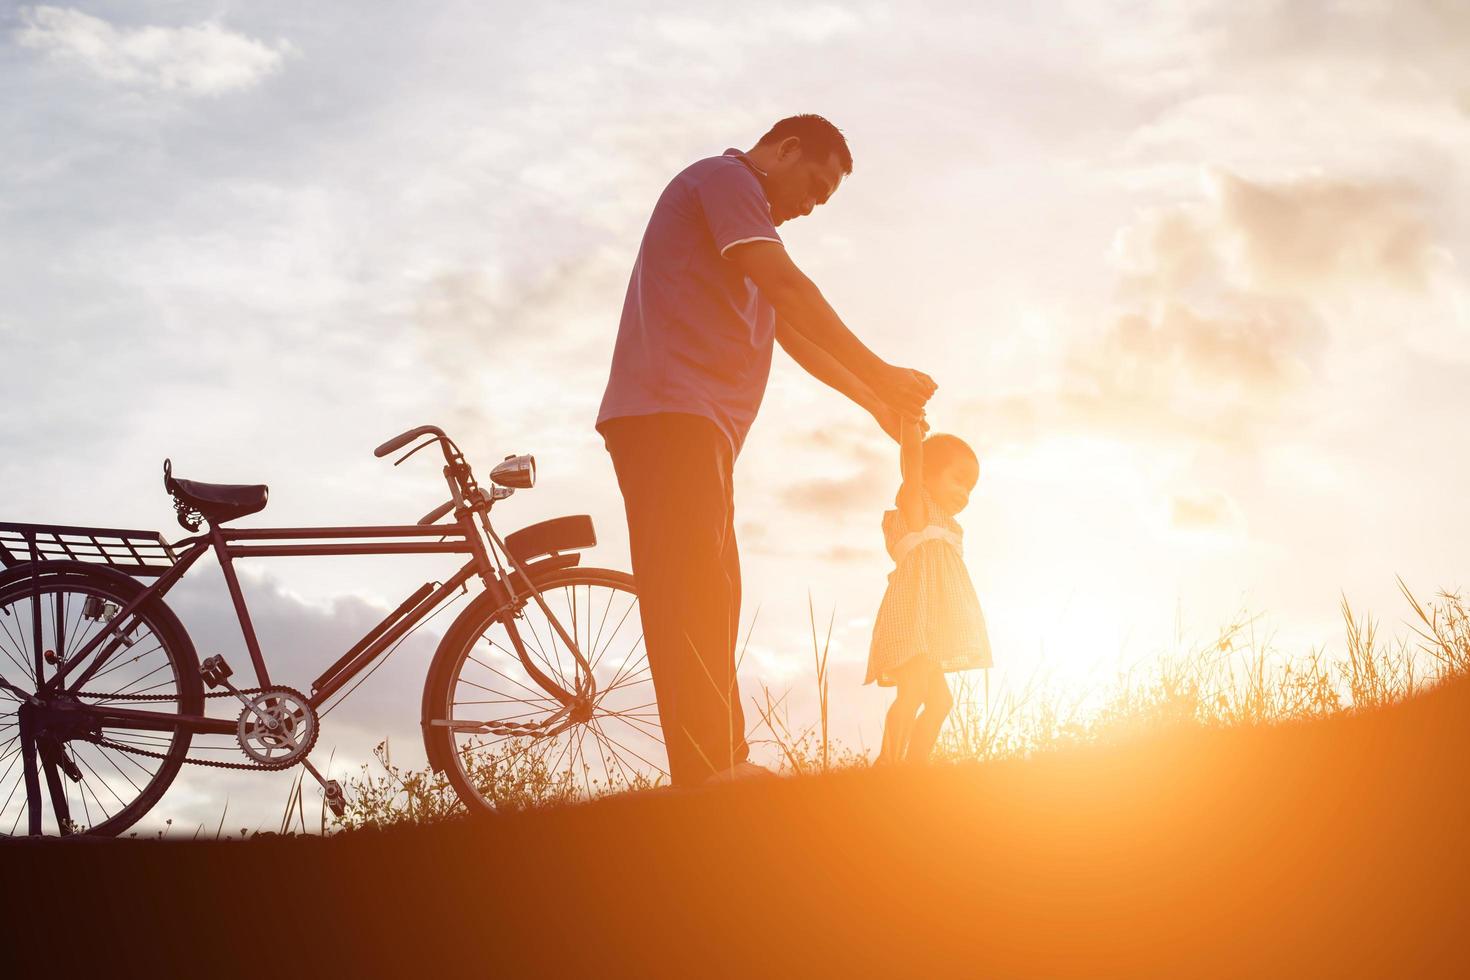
[110,691]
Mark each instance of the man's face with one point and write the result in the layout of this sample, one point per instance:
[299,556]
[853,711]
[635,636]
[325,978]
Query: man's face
[798,183]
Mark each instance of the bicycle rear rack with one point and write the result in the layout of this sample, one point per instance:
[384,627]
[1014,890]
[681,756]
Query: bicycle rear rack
[140,553]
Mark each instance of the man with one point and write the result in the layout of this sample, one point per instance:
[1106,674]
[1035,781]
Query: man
[711,290]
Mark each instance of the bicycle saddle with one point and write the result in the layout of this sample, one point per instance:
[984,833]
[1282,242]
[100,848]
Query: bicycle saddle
[214,502]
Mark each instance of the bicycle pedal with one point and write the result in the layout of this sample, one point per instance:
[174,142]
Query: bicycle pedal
[336,798]
[215,671]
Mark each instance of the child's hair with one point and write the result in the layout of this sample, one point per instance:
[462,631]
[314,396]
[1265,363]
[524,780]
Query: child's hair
[942,450]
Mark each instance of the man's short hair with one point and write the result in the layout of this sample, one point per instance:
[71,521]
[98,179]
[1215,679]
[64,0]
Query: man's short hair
[819,138]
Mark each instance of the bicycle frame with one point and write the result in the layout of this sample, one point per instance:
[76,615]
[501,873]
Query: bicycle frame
[460,537]
[232,543]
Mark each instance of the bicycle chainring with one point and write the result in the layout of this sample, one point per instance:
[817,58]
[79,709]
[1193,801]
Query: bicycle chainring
[278,728]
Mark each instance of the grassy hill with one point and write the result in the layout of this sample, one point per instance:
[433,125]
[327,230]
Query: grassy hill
[1331,847]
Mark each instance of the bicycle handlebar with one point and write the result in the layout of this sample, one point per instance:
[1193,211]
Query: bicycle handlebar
[403,439]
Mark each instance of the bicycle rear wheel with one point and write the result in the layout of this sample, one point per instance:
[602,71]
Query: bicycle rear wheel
[509,740]
[56,776]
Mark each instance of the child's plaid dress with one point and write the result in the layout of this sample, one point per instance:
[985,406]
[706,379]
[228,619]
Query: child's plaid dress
[930,608]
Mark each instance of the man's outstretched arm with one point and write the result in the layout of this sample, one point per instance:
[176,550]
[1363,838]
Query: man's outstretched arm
[824,367]
[799,303]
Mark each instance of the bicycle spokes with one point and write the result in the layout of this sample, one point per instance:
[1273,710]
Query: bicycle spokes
[57,772]
[606,739]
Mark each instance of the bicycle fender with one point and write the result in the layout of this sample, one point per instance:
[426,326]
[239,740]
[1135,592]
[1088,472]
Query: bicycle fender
[126,585]
[26,570]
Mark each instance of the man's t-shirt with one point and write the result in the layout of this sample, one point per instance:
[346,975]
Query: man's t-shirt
[696,335]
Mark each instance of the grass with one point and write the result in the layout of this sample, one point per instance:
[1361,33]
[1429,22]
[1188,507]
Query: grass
[1236,679]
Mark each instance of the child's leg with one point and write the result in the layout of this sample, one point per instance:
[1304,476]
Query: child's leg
[899,721]
[937,704]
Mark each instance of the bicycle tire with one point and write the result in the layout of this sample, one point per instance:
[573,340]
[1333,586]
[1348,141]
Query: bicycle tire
[52,579]
[611,597]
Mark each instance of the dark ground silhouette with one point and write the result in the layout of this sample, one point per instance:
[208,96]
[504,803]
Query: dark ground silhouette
[1327,848]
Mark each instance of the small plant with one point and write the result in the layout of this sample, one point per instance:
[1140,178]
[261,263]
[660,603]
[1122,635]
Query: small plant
[1445,632]
[1236,679]
[396,796]
[515,776]
[811,749]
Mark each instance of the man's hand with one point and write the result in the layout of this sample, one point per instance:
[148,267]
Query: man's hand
[892,422]
[904,390]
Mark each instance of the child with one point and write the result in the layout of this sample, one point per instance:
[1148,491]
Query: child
[930,620]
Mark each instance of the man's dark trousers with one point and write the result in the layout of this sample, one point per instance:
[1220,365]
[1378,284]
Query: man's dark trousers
[675,472]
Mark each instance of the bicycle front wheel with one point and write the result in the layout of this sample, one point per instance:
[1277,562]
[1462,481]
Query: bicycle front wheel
[500,710]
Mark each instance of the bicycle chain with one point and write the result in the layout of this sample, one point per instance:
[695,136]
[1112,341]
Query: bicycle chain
[506,728]
[163,697]
[208,763]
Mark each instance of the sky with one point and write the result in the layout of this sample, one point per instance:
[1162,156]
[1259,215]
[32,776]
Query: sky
[1189,276]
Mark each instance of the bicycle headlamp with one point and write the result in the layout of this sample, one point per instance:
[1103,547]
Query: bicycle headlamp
[516,472]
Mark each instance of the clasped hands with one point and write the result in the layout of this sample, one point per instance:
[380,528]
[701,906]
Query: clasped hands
[902,393]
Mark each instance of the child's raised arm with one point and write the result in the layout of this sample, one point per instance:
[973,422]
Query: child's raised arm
[911,464]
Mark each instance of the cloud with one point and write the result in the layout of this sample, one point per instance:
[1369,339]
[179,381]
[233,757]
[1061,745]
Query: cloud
[1199,510]
[752,531]
[804,25]
[860,491]
[1314,233]
[1298,238]
[206,59]
[848,553]
[861,443]
[1174,370]
[1225,306]
[1373,42]
[488,330]
[867,459]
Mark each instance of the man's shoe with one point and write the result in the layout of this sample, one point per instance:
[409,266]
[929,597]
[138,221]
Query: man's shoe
[740,770]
